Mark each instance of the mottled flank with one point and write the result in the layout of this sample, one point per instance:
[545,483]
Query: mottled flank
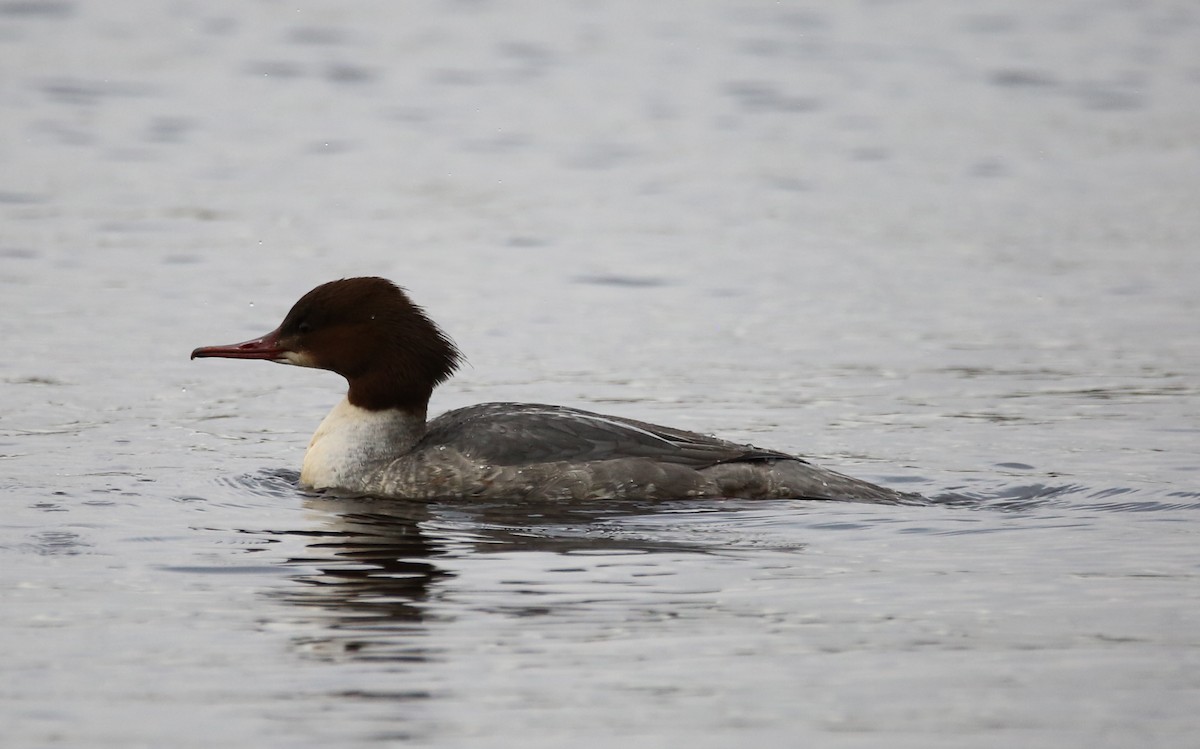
[445,473]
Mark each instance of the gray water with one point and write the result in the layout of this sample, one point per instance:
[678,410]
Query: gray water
[946,247]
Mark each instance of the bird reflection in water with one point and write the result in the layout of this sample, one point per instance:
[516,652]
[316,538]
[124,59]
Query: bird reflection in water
[370,572]
[372,575]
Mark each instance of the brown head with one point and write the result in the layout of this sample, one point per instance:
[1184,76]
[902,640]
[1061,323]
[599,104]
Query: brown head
[368,331]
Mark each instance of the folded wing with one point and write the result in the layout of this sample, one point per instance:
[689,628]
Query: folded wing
[521,433]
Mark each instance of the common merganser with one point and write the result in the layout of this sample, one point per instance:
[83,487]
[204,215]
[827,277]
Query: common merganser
[377,441]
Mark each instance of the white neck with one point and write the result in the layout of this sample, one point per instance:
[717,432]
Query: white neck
[352,441]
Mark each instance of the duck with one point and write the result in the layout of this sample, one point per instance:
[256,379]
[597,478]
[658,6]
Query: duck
[379,442]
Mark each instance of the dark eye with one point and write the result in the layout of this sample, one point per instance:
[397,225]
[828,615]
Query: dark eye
[304,327]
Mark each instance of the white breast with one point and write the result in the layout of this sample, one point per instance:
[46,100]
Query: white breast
[352,442]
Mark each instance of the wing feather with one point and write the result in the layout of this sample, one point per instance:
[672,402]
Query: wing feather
[517,433]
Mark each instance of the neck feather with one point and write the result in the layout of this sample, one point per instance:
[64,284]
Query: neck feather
[390,391]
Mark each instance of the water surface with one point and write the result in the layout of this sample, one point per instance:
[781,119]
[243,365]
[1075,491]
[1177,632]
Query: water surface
[946,249]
